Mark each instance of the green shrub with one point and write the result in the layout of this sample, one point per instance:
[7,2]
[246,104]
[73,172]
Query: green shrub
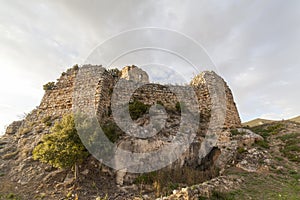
[290,136]
[47,121]
[173,186]
[114,72]
[235,132]
[279,158]
[263,143]
[147,178]
[267,130]
[216,195]
[241,150]
[178,107]
[62,148]
[12,196]
[291,148]
[75,67]
[49,86]
[138,109]
[160,103]
[202,198]
[275,129]
[111,130]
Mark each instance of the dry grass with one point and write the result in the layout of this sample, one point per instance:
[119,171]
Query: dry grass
[10,155]
[257,122]
[165,181]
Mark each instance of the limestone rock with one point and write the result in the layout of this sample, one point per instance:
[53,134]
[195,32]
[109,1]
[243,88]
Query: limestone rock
[255,160]
[135,74]
[247,137]
[13,127]
[221,183]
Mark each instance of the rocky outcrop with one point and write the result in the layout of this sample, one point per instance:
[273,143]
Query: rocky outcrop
[247,137]
[255,160]
[13,127]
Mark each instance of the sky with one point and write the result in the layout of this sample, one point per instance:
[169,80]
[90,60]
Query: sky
[253,44]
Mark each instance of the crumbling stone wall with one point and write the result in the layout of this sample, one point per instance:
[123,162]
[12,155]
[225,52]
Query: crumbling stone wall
[134,73]
[59,100]
[103,94]
[151,93]
[200,84]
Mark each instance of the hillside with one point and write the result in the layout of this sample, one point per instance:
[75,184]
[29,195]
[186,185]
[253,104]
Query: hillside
[295,119]
[259,121]
[266,169]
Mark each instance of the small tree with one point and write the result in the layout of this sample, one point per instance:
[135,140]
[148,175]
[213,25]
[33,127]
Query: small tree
[49,86]
[137,109]
[75,67]
[114,72]
[63,147]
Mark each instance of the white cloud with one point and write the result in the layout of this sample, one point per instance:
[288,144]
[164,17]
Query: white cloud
[255,45]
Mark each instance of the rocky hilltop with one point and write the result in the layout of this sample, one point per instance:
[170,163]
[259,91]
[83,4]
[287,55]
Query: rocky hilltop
[29,179]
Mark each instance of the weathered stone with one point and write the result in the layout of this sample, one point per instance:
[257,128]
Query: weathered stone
[134,73]
[247,137]
[13,127]
[255,160]
[221,183]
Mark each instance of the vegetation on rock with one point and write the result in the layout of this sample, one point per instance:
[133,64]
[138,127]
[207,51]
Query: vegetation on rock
[114,72]
[291,148]
[62,148]
[49,86]
[75,67]
[137,109]
[112,131]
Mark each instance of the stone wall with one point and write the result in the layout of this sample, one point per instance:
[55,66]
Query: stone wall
[201,83]
[59,100]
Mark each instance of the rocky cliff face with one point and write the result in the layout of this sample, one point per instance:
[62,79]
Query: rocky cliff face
[21,171]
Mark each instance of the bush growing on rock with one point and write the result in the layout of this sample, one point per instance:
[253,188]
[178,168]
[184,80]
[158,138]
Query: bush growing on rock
[75,67]
[62,148]
[137,109]
[49,86]
[114,72]
[111,130]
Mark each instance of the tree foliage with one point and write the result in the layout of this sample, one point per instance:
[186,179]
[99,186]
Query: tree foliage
[49,86]
[137,109]
[62,148]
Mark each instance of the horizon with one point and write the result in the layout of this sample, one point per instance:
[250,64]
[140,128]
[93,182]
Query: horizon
[256,54]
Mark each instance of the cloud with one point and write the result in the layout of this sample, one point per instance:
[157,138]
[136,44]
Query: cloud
[254,44]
